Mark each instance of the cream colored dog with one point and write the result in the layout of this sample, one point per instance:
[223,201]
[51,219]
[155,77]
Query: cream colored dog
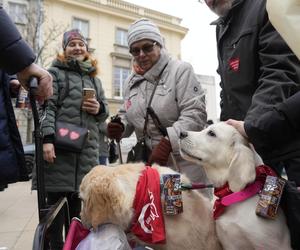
[108,194]
[227,157]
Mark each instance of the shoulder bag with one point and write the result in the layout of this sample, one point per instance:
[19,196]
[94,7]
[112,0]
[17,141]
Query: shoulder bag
[69,136]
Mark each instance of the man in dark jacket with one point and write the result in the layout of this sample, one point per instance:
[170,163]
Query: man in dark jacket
[16,57]
[258,71]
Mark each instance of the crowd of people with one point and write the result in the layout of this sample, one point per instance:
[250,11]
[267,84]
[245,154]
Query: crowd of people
[260,77]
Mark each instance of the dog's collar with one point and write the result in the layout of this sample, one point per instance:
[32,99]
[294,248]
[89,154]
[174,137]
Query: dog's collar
[226,197]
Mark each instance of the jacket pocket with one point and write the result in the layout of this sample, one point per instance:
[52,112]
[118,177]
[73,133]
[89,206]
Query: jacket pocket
[162,90]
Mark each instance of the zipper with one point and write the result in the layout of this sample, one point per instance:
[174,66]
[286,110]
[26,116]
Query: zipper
[78,154]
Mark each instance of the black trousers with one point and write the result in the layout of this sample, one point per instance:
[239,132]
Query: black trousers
[291,166]
[56,230]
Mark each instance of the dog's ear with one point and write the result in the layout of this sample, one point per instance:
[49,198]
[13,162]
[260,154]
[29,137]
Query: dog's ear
[242,166]
[102,199]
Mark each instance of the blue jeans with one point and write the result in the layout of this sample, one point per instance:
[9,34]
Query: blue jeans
[103,160]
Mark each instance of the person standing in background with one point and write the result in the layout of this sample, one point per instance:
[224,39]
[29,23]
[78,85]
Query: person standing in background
[72,71]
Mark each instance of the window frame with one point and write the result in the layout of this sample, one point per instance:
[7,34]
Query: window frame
[16,16]
[121,80]
[123,40]
[81,20]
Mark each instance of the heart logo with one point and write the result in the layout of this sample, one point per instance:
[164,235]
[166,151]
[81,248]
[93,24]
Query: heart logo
[63,131]
[74,135]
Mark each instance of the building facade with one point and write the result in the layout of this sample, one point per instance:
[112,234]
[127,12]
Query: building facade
[209,86]
[105,24]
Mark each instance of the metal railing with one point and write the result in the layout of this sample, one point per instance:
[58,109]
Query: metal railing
[138,10]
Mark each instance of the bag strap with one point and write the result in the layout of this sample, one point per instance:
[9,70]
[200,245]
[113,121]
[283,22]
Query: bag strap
[150,100]
[157,122]
[147,113]
[66,89]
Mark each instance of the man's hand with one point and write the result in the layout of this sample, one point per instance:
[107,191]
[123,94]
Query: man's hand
[45,88]
[49,152]
[238,125]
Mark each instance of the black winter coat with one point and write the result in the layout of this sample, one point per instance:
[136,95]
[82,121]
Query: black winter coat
[12,162]
[15,55]
[68,169]
[258,71]
[281,125]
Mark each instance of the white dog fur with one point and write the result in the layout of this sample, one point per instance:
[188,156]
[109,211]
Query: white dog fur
[108,195]
[227,157]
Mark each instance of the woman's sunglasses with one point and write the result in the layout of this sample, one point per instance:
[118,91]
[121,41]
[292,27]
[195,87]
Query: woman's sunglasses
[147,48]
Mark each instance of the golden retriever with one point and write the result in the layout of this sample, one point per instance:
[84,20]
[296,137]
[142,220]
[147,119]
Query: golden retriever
[226,157]
[108,194]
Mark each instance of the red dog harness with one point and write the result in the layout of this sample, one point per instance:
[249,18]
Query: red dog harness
[226,197]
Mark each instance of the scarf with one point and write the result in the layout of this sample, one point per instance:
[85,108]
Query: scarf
[85,67]
[226,197]
[151,75]
[148,222]
[137,69]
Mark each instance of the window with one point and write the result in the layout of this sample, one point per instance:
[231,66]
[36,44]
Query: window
[119,77]
[121,37]
[17,12]
[82,25]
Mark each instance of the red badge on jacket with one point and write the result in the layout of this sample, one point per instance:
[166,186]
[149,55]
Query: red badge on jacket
[234,64]
[127,104]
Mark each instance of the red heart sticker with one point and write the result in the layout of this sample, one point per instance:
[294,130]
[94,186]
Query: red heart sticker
[74,135]
[63,131]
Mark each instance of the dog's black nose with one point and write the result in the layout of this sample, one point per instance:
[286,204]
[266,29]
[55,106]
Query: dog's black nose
[183,135]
